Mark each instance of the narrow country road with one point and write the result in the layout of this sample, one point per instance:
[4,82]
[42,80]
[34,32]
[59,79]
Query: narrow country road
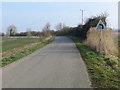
[57,65]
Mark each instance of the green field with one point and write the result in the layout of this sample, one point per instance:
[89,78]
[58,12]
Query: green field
[8,44]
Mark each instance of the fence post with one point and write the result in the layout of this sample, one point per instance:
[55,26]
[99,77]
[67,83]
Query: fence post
[100,47]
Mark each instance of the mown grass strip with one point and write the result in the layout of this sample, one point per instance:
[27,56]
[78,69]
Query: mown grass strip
[103,73]
[21,54]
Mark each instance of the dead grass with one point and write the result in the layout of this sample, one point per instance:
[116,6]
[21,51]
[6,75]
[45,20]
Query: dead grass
[103,71]
[106,45]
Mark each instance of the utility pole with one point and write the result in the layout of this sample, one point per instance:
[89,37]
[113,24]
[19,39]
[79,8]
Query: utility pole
[82,15]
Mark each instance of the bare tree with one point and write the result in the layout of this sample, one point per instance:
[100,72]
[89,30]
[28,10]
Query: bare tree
[103,15]
[59,26]
[11,30]
[46,30]
[47,26]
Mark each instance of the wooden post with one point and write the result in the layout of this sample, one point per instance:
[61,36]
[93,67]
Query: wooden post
[100,40]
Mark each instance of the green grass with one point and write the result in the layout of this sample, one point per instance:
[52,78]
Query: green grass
[103,71]
[8,44]
[21,54]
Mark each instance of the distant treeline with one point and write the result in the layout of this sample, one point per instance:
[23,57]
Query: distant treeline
[32,33]
[12,31]
[61,30]
[81,30]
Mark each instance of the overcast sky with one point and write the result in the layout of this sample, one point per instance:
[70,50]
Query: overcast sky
[35,15]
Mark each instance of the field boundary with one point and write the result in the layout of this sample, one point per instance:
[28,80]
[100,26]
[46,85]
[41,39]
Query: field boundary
[24,53]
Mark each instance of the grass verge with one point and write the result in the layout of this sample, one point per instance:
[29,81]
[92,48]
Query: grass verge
[21,54]
[102,71]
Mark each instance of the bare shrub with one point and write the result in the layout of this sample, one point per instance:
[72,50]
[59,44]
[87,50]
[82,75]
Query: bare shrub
[59,26]
[46,32]
[104,45]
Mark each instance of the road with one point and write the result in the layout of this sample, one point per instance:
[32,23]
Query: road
[57,65]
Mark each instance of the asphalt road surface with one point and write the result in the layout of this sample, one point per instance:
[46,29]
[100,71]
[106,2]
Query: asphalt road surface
[57,65]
